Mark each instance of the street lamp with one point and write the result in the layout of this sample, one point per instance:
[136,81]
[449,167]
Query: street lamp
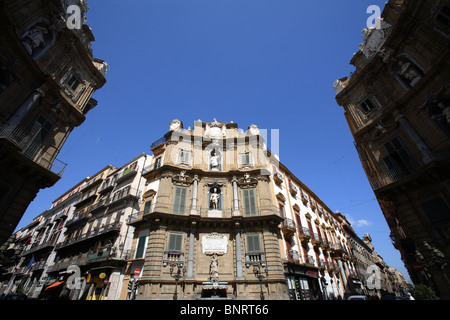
[260,276]
[438,260]
[181,272]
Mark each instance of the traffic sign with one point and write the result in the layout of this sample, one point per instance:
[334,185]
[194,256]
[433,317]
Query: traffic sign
[137,272]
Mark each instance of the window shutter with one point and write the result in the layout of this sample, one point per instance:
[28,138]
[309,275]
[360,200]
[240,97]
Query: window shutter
[175,242]
[249,202]
[140,247]
[179,204]
[147,206]
[253,244]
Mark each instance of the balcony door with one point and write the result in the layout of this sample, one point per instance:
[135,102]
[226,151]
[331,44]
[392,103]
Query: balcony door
[37,131]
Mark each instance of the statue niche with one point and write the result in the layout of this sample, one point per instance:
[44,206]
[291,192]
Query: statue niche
[38,38]
[406,72]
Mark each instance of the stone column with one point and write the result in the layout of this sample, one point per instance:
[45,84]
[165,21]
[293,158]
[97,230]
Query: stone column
[25,107]
[191,253]
[237,240]
[194,197]
[235,198]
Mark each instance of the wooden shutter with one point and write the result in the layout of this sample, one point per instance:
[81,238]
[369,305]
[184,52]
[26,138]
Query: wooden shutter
[175,242]
[249,202]
[253,244]
[140,247]
[147,206]
[179,204]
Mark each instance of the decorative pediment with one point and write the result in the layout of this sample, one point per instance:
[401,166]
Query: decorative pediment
[182,180]
[281,197]
[247,181]
[149,193]
[296,208]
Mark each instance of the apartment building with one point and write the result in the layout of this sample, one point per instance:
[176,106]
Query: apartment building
[47,78]
[396,104]
[36,254]
[84,235]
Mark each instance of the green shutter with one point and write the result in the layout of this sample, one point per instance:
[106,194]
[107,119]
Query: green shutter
[175,242]
[179,204]
[249,202]
[147,206]
[253,244]
[140,247]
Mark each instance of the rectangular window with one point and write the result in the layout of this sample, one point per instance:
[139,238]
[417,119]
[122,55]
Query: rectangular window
[245,159]
[184,155]
[399,162]
[73,83]
[367,106]
[253,244]
[37,132]
[175,241]
[147,207]
[179,204]
[140,249]
[249,203]
[157,163]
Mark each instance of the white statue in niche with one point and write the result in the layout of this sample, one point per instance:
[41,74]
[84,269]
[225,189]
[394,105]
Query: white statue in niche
[214,199]
[407,72]
[175,125]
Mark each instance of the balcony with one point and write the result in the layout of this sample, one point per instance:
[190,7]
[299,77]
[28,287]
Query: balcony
[305,198]
[303,234]
[122,197]
[310,261]
[86,197]
[80,216]
[278,178]
[255,258]
[157,143]
[293,256]
[409,166]
[288,227]
[315,240]
[293,189]
[113,227]
[173,257]
[30,149]
[92,183]
[106,187]
[126,174]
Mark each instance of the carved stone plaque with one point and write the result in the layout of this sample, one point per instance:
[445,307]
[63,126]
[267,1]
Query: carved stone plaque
[214,244]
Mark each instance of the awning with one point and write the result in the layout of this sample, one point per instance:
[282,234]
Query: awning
[57,283]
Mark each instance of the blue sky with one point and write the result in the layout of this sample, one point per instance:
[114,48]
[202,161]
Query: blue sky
[267,62]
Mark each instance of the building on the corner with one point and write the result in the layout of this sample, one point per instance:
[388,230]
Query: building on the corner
[98,239]
[47,78]
[397,104]
[221,218]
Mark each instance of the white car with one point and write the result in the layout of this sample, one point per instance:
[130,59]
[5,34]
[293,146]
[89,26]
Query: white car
[357,298]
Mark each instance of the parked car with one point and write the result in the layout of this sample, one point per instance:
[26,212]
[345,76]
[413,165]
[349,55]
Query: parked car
[357,298]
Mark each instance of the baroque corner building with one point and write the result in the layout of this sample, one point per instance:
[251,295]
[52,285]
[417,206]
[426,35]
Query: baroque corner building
[219,219]
[207,213]
[397,105]
[47,78]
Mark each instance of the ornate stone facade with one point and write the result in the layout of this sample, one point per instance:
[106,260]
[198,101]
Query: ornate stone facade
[47,78]
[396,105]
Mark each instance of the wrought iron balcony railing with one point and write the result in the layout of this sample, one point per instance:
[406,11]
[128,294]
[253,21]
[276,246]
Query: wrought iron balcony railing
[31,149]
